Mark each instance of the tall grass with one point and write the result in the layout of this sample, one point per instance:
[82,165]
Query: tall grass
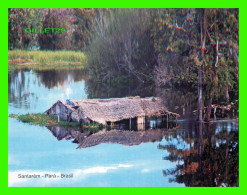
[62,57]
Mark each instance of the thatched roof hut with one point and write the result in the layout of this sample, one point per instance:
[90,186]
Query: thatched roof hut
[107,110]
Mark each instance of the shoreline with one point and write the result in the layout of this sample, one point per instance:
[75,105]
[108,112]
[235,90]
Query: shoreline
[13,67]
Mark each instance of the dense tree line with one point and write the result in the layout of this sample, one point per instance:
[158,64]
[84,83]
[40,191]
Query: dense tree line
[27,28]
[198,47]
[189,48]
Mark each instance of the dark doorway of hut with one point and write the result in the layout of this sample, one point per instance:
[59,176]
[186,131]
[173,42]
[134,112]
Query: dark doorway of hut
[153,122]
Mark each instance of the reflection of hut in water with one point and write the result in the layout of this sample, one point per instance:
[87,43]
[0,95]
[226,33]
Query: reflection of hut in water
[67,133]
[128,138]
[109,111]
[124,137]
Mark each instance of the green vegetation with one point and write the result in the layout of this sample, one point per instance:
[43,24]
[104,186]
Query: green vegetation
[34,19]
[43,119]
[13,67]
[193,49]
[123,47]
[46,59]
[198,48]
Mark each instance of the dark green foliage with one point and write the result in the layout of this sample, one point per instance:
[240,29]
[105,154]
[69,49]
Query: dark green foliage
[177,35]
[124,47]
[18,20]
[84,27]
[54,18]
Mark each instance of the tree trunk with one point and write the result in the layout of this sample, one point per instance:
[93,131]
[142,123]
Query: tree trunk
[203,41]
[200,104]
[209,109]
[227,93]
[200,140]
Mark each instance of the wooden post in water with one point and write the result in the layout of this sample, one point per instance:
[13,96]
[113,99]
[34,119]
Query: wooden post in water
[215,112]
[156,124]
[58,118]
[140,122]
[167,120]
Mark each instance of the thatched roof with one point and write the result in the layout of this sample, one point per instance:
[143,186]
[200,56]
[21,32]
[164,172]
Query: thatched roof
[116,109]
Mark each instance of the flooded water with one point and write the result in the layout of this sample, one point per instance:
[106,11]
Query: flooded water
[181,154]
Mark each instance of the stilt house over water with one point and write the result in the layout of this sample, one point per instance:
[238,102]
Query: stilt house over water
[107,111]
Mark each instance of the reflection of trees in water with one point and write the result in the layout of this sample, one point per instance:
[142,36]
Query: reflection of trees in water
[56,78]
[103,90]
[18,88]
[211,158]
[15,83]
[21,82]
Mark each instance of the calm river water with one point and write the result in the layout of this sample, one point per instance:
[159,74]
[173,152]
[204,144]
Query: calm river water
[185,154]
